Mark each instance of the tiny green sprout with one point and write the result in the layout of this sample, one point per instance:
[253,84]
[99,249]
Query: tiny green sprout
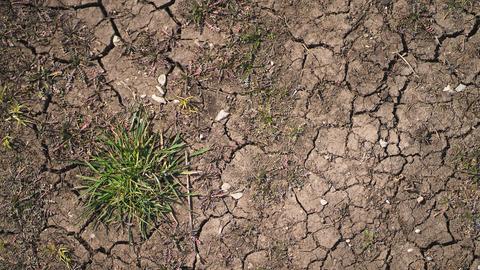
[6,142]
[16,113]
[186,105]
[65,256]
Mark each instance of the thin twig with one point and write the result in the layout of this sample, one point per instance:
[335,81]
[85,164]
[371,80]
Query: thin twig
[190,207]
[408,64]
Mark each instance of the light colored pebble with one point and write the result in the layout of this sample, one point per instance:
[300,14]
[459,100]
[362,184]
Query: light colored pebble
[116,40]
[222,114]
[162,79]
[420,199]
[237,195]
[410,250]
[448,89]
[323,202]
[417,230]
[383,143]
[158,99]
[460,87]
[226,186]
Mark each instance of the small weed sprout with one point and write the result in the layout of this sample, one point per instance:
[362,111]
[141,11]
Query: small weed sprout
[6,142]
[16,113]
[186,105]
[368,238]
[135,175]
[64,256]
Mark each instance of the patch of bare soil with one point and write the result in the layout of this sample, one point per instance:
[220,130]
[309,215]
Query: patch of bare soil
[341,134]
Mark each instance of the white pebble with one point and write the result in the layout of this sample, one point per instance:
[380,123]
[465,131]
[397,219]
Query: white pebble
[448,89]
[460,87]
[323,202]
[222,114]
[420,199]
[226,186]
[116,40]
[409,250]
[417,230]
[158,99]
[383,143]
[429,258]
[162,79]
[237,195]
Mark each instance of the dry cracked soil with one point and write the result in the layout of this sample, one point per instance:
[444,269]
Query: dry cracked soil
[351,140]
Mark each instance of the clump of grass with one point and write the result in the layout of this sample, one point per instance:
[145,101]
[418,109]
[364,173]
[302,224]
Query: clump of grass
[135,175]
[470,164]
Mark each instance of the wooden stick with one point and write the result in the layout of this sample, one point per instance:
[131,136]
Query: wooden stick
[190,207]
[405,60]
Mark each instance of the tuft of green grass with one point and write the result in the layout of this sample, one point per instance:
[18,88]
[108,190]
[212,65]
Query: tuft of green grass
[135,175]
[458,5]
[470,164]
[368,238]
[17,113]
[7,142]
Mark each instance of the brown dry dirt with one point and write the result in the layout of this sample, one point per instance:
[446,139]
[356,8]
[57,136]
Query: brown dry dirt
[347,150]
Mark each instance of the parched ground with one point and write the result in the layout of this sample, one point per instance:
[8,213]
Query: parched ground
[352,140]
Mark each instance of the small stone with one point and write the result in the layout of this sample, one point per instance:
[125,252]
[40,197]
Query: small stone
[448,89]
[143,96]
[116,40]
[162,79]
[420,199]
[417,230]
[323,202]
[478,267]
[226,186]
[237,195]
[460,87]
[348,240]
[429,258]
[383,143]
[410,250]
[158,99]
[222,114]
[160,89]
[176,101]
[201,136]
[387,201]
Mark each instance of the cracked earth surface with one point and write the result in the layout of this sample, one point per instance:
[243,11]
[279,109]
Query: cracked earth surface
[340,136]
